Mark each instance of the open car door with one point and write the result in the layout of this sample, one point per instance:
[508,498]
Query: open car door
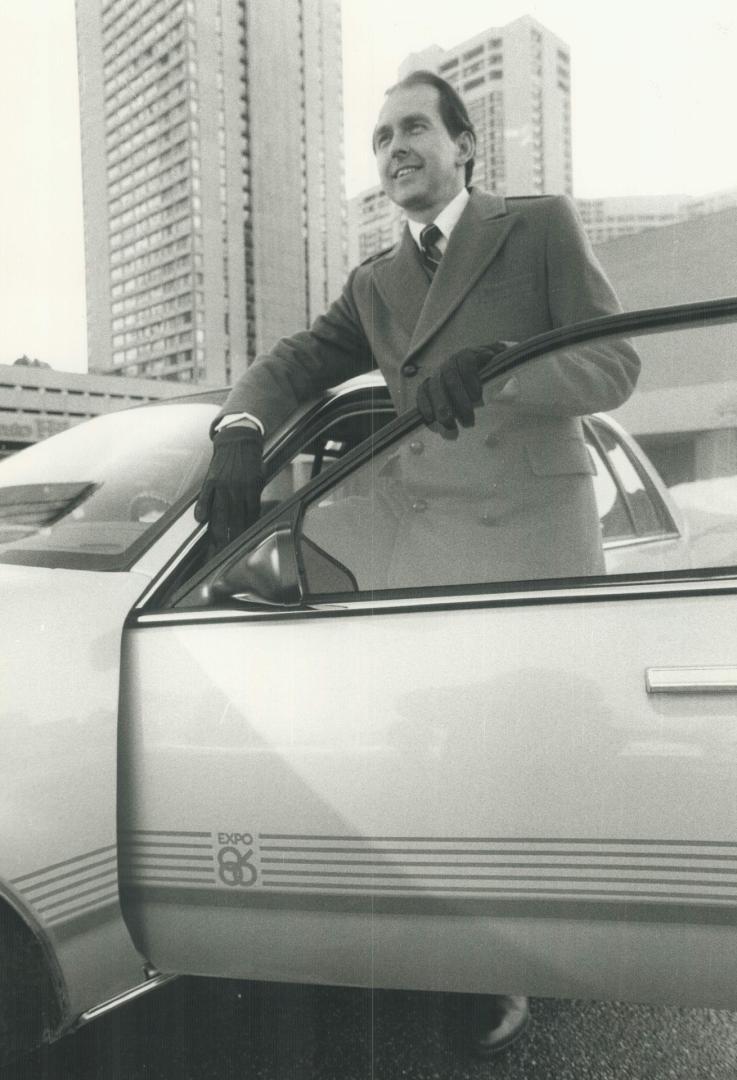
[372,745]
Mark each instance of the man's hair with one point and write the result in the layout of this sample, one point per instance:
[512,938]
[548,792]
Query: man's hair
[453,111]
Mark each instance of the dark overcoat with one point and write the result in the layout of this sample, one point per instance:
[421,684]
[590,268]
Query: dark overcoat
[513,497]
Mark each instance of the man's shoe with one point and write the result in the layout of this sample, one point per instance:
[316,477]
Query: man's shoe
[497,1021]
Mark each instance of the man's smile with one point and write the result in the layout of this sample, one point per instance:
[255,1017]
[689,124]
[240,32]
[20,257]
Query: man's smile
[405,170]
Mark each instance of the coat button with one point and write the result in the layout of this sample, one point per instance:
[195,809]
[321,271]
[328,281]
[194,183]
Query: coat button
[409,370]
[488,518]
[419,505]
[491,440]
[416,446]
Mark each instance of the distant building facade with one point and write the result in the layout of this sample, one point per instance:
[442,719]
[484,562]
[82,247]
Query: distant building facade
[609,218]
[213,179]
[684,412]
[711,203]
[36,402]
[375,223]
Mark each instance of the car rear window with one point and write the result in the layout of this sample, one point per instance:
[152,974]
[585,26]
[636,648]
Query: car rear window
[96,496]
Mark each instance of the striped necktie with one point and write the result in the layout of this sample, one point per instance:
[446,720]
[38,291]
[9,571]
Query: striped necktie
[431,253]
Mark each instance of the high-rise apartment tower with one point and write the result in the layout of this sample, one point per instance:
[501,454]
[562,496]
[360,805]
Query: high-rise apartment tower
[213,177]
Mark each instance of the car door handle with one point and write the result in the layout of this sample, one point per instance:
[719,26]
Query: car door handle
[691,680]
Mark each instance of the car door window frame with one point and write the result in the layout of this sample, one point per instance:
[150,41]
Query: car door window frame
[601,461]
[349,403]
[668,528]
[290,513]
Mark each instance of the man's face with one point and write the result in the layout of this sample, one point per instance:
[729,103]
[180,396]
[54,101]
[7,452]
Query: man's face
[421,167]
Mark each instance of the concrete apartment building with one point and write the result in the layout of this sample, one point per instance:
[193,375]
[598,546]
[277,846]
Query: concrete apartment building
[36,402]
[684,411]
[515,80]
[610,218]
[213,179]
[374,224]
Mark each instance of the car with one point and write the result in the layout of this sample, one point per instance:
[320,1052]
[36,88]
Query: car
[284,763]
[708,510]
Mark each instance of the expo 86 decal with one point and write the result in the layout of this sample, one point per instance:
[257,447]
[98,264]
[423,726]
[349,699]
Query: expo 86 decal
[235,857]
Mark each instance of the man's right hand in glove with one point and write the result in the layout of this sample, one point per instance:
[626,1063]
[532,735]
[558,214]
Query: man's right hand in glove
[230,499]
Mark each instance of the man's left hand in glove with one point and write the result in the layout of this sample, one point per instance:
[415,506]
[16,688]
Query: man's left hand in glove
[450,396]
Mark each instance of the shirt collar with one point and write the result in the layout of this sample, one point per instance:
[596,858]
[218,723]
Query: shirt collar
[446,220]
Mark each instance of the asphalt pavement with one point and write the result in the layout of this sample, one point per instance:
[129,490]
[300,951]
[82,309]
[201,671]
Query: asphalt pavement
[202,1029]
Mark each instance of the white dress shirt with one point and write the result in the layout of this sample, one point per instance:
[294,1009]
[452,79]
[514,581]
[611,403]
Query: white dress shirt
[446,221]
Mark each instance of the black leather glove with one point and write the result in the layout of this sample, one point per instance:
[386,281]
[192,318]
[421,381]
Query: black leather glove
[230,499]
[450,396]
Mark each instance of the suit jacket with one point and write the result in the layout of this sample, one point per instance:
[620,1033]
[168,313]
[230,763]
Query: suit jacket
[515,491]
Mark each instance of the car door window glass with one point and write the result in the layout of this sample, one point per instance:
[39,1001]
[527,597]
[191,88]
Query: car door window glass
[340,434]
[510,499]
[519,497]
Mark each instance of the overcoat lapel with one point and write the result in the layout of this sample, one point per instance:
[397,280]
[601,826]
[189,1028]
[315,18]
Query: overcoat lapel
[474,243]
[403,284]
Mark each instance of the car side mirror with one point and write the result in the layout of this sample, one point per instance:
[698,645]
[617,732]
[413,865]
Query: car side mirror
[265,576]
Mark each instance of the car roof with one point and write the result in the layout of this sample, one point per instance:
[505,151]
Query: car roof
[217,395]
[214,396]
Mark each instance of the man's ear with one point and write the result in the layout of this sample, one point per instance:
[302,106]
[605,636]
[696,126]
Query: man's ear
[466,147]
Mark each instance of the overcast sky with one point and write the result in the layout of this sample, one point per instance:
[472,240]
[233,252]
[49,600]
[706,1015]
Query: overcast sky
[654,83]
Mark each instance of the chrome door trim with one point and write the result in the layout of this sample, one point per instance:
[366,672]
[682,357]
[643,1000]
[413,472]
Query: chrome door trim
[122,999]
[637,541]
[691,680]
[492,598]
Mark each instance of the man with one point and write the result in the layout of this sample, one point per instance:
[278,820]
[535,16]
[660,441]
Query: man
[430,312]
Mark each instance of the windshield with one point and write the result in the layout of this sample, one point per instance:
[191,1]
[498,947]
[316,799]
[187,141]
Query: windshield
[95,496]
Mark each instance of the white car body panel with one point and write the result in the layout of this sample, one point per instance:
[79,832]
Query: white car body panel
[709,508]
[59,670]
[408,789]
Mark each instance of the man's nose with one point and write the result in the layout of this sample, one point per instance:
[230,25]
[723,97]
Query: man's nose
[398,145]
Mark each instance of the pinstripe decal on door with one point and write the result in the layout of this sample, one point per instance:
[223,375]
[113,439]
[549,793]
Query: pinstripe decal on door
[167,857]
[528,867]
[74,887]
